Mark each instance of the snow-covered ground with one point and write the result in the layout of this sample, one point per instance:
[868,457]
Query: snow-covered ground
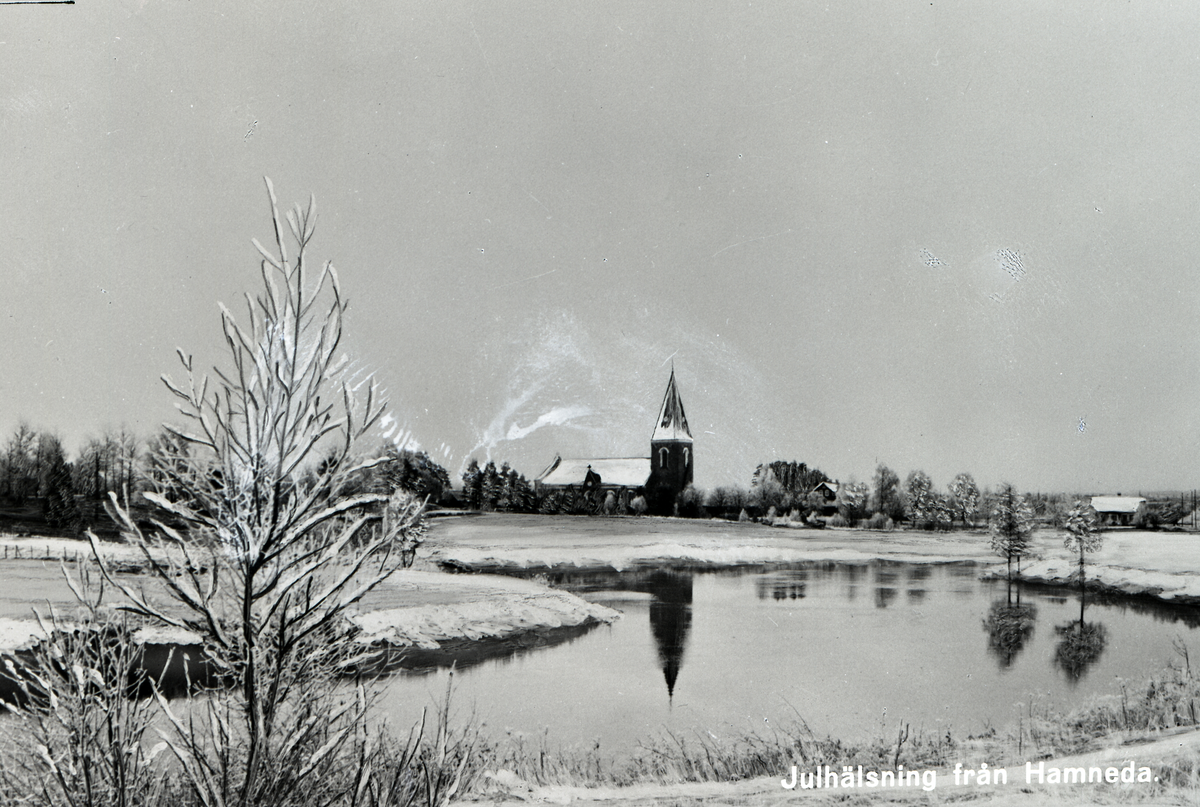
[412,608]
[1165,565]
[426,609]
[496,541]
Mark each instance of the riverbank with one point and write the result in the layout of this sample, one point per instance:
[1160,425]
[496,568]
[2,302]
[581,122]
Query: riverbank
[1158,769]
[1136,563]
[416,616]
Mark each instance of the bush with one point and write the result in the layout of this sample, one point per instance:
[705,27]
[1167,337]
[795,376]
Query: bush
[838,520]
[1146,518]
[638,506]
[880,521]
[691,503]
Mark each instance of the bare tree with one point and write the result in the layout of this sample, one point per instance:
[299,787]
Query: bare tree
[271,554]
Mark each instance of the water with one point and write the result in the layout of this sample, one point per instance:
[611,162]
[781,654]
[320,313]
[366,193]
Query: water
[852,649]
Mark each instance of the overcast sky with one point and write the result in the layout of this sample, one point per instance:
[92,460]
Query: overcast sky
[948,236]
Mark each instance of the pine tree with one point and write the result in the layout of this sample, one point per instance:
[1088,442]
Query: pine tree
[55,489]
[1012,526]
[1082,534]
[473,485]
[489,487]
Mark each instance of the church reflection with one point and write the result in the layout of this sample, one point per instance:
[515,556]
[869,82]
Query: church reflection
[670,621]
[670,607]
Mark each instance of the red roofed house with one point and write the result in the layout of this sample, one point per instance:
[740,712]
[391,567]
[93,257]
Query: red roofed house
[659,477]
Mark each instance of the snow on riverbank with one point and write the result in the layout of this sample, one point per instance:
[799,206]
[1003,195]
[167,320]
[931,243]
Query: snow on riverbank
[436,608]
[1140,563]
[411,609]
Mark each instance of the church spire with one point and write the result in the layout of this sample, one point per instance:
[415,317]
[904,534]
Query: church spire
[672,422]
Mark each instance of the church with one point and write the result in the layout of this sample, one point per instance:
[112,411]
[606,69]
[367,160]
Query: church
[659,477]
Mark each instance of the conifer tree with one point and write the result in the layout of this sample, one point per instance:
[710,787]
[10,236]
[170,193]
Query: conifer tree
[473,485]
[1012,526]
[1082,534]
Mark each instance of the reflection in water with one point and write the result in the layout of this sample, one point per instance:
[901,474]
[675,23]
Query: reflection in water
[917,578]
[1009,626]
[791,585]
[853,574]
[885,585]
[670,607]
[1081,645]
[830,650]
[670,620]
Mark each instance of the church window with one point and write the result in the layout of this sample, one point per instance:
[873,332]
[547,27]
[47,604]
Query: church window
[685,456]
[662,457]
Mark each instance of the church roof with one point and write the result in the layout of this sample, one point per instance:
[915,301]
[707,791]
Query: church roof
[672,422]
[628,472]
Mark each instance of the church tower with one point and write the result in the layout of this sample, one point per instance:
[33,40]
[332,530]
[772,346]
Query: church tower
[671,456]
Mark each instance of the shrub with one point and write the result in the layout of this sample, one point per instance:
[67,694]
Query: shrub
[1147,518]
[85,740]
[638,506]
[838,520]
[691,502]
[878,521]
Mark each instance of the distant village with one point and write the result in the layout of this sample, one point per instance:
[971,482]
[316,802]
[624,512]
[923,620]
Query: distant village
[44,493]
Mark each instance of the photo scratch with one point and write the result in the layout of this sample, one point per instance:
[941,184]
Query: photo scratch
[751,241]
[524,279]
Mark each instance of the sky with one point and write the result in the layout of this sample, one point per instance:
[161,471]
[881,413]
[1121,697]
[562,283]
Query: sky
[948,236]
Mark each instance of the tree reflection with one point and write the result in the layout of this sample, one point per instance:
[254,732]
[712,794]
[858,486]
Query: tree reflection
[670,620]
[1009,626]
[1081,645]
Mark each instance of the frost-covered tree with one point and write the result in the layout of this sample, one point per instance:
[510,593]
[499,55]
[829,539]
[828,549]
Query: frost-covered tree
[920,503]
[1012,526]
[885,493]
[261,555]
[473,485]
[852,500]
[966,496]
[20,464]
[59,507]
[1082,534]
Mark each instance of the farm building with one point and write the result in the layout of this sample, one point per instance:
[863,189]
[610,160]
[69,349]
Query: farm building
[1117,511]
[828,492]
[660,477]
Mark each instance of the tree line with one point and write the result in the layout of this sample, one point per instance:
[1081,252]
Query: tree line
[40,483]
